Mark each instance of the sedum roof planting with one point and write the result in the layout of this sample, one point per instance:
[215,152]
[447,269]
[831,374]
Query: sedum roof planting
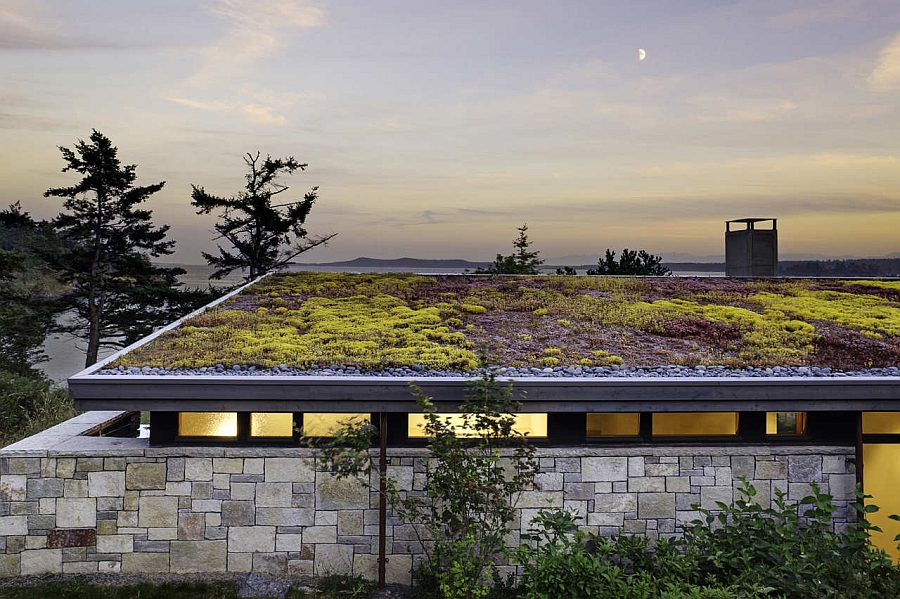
[383,321]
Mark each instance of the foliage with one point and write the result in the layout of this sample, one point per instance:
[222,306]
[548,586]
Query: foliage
[24,318]
[265,235]
[631,262]
[521,262]
[566,270]
[343,586]
[394,320]
[478,468]
[29,404]
[791,548]
[116,294]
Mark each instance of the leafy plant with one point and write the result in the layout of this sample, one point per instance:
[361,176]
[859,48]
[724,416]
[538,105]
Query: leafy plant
[479,465]
[631,262]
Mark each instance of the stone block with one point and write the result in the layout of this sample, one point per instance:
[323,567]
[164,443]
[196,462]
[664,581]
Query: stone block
[301,470]
[36,542]
[182,488]
[37,488]
[213,519]
[158,512]
[198,556]
[191,527]
[403,475]
[145,563]
[71,537]
[221,481]
[596,469]
[670,469]
[273,494]
[110,504]
[28,508]
[320,534]
[79,568]
[109,567]
[76,512]
[243,539]
[13,525]
[647,484]
[243,491]
[549,481]
[710,495]
[12,487]
[771,470]
[538,499]
[615,502]
[636,466]
[578,491]
[797,491]
[678,484]
[107,527]
[201,490]
[127,519]
[9,565]
[279,516]
[605,519]
[114,463]
[41,561]
[162,534]
[228,466]
[238,513]
[106,484]
[65,467]
[743,466]
[145,475]
[804,468]
[273,564]
[205,505]
[723,476]
[254,466]
[175,469]
[835,464]
[115,544]
[656,505]
[350,523]
[842,487]
[240,562]
[398,569]
[326,519]
[23,466]
[288,542]
[333,493]
[333,559]
[75,488]
[198,469]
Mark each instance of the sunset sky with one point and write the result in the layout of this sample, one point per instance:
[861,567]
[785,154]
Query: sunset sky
[435,128]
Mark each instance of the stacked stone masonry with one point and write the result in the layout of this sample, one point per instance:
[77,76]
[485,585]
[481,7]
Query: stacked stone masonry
[122,506]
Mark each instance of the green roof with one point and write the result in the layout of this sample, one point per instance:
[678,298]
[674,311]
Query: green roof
[377,321]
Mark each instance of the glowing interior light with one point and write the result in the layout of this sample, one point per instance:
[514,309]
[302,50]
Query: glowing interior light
[695,424]
[880,476]
[881,423]
[271,424]
[533,425]
[326,424]
[626,424]
[207,424]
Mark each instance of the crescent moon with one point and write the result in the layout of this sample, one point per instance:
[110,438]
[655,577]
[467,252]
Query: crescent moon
[642,54]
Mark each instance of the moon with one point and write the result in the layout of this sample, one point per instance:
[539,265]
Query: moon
[642,54]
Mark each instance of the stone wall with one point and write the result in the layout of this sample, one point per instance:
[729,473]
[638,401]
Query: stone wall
[75,504]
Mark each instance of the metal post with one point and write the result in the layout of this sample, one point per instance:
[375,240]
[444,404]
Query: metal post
[382,498]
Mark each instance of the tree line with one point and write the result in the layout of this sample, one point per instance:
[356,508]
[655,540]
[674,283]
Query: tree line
[94,262]
[525,261]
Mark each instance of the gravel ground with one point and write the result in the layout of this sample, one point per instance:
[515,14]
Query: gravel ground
[246,585]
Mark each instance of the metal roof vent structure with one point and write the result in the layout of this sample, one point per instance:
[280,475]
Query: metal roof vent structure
[751,252]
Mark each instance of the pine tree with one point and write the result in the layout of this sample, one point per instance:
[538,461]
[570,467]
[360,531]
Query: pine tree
[115,294]
[631,262]
[521,262]
[265,236]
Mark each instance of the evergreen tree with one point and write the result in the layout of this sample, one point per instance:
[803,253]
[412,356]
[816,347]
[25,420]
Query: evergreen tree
[24,319]
[115,294]
[631,262]
[521,262]
[265,235]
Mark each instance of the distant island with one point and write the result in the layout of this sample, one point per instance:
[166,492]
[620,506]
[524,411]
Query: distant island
[854,267]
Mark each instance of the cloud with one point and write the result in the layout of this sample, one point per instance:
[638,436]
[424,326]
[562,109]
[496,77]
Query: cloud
[728,109]
[257,29]
[18,32]
[820,12]
[254,113]
[886,74]
[262,115]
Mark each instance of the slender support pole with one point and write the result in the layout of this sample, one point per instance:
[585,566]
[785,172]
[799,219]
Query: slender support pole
[382,498]
[859,451]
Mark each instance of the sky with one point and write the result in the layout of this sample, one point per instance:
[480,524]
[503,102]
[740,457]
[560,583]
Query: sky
[434,129]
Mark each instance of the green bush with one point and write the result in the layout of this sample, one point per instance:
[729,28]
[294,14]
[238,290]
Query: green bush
[29,404]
